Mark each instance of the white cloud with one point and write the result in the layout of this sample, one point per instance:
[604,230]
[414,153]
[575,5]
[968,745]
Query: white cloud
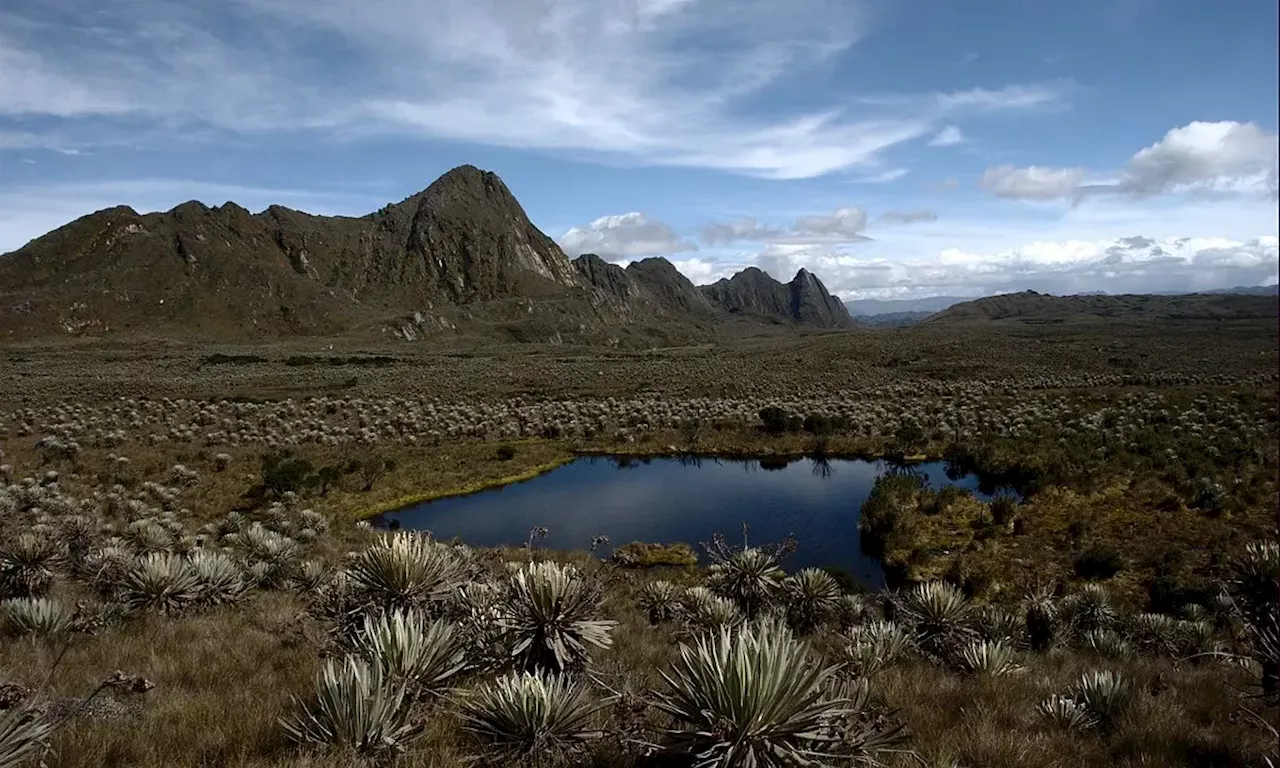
[1031,183]
[947,137]
[574,76]
[1009,97]
[623,237]
[884,177]
[845,225]
[908,217]
[1220,157]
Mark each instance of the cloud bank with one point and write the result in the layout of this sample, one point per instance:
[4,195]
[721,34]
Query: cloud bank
[1126,265]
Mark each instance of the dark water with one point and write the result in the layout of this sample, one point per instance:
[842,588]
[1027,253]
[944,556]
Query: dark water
[670,500]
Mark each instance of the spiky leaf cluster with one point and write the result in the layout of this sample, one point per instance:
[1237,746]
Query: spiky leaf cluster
[354,708]
[751,698]
[531,718]
[553,613]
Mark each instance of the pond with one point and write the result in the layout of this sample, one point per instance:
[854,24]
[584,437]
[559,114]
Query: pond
[671,499]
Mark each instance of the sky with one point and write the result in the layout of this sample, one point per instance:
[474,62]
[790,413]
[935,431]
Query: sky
[895,148]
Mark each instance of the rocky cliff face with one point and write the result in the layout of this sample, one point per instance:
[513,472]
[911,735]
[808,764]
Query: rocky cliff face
[804,300]
[812,305]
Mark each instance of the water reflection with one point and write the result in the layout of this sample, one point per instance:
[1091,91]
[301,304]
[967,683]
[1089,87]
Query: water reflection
[680,499]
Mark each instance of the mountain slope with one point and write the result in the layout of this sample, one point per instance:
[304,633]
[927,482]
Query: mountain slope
[227,272]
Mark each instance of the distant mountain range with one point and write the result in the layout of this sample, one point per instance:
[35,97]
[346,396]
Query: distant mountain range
[900,312]
[1031,308]
[459,257]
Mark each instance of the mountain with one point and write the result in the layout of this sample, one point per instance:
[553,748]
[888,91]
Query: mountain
[461,256]
[1030,307]
[650,287]
[753,293]
[1250,290]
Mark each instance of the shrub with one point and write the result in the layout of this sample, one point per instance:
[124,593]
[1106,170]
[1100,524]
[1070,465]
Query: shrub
[776,421]
[327,478]
[160,581]
[1254,577]
[639,554]
[1090,608]
[995,623]
[410,649]
[1066,712]
[26,565]
[661,600]
[405,570]
[148,535]
[34,615]
[1003,509]
[282,474]
[750,698]
[219,578]
[986,657]
[270,555]
[812,597]
[1098,563]
[821,424]
[1042,619]
[874,646]
[530,718]
[25,730]
[705,611]
[750,578]
[354,708]
[937,612]
[552,612]
[505,452]
[947,496]
[888,516]
[310,576]
[373,468]
[1104,694]
[909,437]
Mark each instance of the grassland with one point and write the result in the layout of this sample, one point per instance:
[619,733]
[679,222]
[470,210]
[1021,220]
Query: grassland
[1156,443]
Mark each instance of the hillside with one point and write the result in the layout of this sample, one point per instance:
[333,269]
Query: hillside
[1030,307]
[460,257]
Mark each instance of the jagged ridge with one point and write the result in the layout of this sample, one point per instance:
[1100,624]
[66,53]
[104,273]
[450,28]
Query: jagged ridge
[463,242]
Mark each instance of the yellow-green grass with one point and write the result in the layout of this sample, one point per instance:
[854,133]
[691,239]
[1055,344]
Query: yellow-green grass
[477,486]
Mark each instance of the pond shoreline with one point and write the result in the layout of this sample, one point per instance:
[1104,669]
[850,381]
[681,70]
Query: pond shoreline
[413,499]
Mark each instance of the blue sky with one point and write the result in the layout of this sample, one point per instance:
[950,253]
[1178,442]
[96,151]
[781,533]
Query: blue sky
[896,149]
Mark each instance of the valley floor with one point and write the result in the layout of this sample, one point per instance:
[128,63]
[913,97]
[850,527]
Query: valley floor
[1147,456]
